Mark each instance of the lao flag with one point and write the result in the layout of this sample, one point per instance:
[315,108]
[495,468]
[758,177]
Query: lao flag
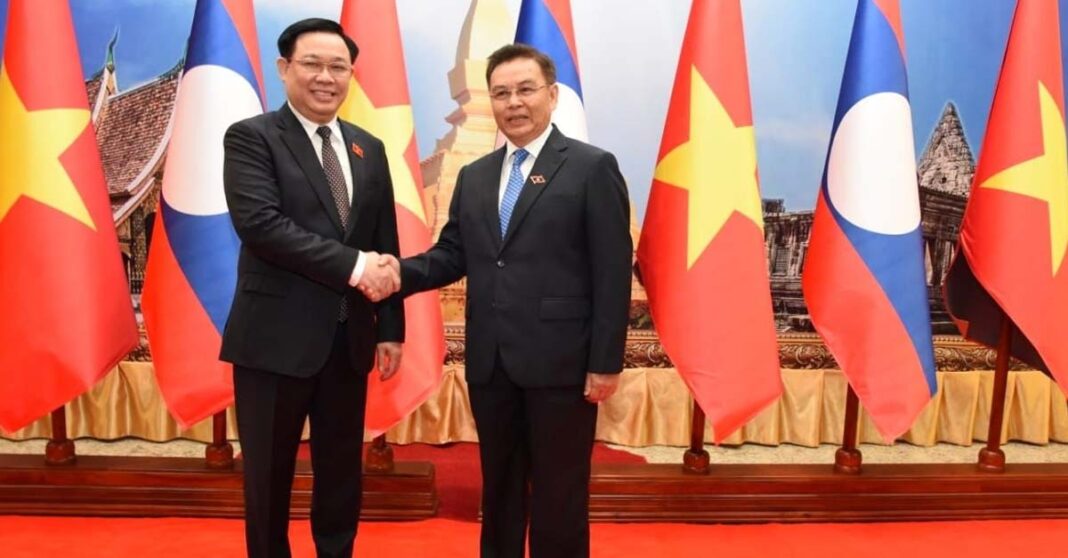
[546,26]
[864,279]
[192,263]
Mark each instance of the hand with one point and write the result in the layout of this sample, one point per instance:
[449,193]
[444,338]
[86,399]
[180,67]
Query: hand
[381,276]
[600,386]
[389,358]
[391,261]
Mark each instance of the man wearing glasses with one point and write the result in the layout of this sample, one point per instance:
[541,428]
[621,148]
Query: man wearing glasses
[540,227]
[311,198]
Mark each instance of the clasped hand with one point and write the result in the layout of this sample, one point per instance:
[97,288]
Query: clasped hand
[381,276]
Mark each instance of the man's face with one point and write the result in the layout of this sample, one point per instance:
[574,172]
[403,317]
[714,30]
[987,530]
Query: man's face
[316,77]
[522,101]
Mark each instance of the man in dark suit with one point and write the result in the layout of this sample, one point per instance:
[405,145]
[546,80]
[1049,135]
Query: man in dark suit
[540,228]
[308,194]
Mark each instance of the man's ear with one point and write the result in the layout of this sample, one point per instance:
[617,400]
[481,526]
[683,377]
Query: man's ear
[281,64]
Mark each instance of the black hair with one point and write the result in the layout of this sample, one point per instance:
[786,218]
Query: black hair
[287,41]
[507,53]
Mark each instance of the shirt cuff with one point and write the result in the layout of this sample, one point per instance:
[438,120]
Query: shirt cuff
[357,272]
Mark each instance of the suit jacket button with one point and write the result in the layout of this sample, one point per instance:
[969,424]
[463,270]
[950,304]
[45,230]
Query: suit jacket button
[500,263]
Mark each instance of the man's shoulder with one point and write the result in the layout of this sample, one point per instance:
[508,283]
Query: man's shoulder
[490,161]
[257,122]
[584,151]
[358,132]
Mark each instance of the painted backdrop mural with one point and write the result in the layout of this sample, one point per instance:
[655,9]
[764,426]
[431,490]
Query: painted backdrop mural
[131,52]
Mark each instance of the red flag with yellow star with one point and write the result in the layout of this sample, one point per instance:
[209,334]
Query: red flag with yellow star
[378,101]
[67,317]
[701,253]
[1011,257]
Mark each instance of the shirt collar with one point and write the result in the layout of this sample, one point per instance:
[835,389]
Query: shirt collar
[311,127]
[533,148]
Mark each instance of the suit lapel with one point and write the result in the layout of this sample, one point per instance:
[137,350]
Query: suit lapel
[359,174]
[296,139]
[490,195]
[545,166]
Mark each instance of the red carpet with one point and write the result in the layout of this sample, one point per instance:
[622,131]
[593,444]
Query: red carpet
[455,534]
[458,476]
[441,538]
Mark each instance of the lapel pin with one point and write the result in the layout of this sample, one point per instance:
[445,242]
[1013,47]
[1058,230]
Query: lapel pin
[357,150]
[537,179]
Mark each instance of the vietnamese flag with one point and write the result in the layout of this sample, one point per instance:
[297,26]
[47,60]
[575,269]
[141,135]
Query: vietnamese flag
[1013,239]
[701,253]
[67,315]
[378,101]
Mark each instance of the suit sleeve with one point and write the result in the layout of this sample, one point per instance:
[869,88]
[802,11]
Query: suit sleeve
[389,312]
[444,263]
[611,249]
[254,199]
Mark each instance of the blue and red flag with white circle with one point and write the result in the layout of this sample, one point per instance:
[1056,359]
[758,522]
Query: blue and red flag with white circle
[864,278]
[546,25]
[192,263]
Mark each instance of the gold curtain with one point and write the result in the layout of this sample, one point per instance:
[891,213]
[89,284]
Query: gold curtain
[652,407]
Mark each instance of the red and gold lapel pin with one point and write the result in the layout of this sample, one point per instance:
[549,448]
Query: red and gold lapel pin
[357,150]
[537,179]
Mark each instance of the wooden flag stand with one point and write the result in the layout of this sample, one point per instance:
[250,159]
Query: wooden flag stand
[65,484]
[219,454]
[847,459]
[992,458]
[59,450]
[699,491]
[696,460]
[793,493]
[696,490]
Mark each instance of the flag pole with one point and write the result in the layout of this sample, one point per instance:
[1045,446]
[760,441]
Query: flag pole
[220,453]
[379,457]
[696,459]
[847,459]
[60,449]
[992,458]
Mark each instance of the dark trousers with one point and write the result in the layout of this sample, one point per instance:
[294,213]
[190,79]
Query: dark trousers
[271,409]
[535,446]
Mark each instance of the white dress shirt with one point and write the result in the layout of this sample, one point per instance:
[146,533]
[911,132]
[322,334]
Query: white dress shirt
[533,148]
[337,142]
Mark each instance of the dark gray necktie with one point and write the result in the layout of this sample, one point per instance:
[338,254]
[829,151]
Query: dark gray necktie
[336,178]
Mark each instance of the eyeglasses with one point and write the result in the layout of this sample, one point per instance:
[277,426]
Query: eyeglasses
[523,91]
[314,67]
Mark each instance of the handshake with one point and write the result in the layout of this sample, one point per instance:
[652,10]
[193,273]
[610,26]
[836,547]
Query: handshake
[381,276]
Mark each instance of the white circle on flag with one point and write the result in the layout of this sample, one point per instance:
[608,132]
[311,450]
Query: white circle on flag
[871,171]
[570,115]
[210,98]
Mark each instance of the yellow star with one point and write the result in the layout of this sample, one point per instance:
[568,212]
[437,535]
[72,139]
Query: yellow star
[1045,177]
[31,143]
[393,125]
[717,166]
